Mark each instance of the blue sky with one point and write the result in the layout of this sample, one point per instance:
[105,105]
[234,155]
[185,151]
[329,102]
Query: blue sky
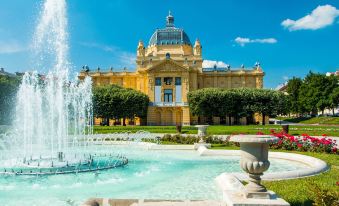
[105,33]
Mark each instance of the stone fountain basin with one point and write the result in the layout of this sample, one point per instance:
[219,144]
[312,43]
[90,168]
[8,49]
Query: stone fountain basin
[315,165]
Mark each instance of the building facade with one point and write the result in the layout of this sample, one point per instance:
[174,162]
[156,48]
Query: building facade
[167,69]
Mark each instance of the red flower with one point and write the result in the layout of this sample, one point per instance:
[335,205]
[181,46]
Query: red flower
[299,145]
[324,135]
[334,150]
[260,133]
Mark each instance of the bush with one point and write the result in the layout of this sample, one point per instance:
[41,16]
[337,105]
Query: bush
[191,139]
[323,197]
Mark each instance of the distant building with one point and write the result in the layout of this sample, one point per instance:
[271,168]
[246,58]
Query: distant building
[282,87]
[170,67]
[336,73]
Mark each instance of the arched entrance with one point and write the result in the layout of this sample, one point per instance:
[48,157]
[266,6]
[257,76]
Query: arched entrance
[158,118]
[167,117]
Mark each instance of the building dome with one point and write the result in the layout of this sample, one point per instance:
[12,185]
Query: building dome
[169,35]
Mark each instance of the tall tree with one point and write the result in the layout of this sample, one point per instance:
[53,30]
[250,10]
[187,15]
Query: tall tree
[334,99]
[332,92]
[315,92]
[293,88]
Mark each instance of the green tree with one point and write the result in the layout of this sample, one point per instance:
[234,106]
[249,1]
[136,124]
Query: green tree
[315,92]
[240,104]
[237,103]
[334,99]
[263,103]
[332,93]
[283,104]
[8,89]
[114,102]
[206,102]
[293,88]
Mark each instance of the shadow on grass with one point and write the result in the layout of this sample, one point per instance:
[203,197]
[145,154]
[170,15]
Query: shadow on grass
[307,202]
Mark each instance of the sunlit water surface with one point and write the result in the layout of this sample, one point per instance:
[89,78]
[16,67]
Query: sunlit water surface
[149,175]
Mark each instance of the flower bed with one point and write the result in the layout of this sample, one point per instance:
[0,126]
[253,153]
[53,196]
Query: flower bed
[304,143]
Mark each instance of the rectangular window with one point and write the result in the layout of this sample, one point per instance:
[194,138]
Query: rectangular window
[178,93]
[157,94]
[177,81]
[157,81]
[168,95]
[168,80]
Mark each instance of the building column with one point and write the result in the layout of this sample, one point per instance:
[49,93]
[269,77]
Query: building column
[185,116]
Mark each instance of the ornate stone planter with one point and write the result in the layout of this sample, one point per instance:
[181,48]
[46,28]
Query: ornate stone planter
[202,131]
[254,161]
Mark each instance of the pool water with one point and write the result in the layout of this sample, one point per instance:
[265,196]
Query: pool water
[150,174]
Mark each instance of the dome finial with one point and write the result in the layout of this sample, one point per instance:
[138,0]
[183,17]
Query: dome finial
[169,20]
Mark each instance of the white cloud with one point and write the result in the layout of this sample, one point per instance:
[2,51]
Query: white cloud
[243,41]
[211,63]
[121,58]
[285,78]
[127,59]
[11,46]
[320,17]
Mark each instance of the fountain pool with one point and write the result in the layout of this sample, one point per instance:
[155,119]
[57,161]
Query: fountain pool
[149,174]
[46,160]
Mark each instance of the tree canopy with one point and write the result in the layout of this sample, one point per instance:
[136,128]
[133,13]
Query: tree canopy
[316,92]
[8,89]
[114,102]
[243,102]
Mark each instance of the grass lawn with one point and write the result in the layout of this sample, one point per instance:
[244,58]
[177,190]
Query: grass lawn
[312,120]
[221,129]
[299,191]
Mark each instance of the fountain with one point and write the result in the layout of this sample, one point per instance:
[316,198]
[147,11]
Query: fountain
[52,111]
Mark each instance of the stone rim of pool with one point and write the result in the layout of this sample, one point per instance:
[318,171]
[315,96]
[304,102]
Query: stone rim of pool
[314,167]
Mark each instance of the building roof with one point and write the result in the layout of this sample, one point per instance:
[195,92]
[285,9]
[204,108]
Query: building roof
[282,87]
[169,35]
[336,73]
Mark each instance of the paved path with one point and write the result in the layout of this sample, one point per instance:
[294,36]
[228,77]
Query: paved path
[282,122]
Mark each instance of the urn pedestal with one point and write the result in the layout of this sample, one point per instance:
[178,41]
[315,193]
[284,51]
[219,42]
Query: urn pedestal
[254,161]
[202,131]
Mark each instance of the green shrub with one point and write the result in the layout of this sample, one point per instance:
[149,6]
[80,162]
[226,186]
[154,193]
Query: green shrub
[323,197]
[191,139]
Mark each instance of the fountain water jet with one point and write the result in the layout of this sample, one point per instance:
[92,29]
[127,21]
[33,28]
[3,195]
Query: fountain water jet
[52,111]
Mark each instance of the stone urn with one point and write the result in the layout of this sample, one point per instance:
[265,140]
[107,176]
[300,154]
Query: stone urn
[254,161]
[202,131]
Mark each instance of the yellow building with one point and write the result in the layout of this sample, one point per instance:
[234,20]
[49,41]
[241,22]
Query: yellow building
[167,69]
